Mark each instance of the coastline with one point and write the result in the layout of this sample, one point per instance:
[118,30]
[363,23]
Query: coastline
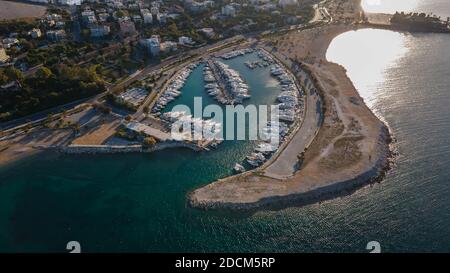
[318,179]
[314,183]
[233,192]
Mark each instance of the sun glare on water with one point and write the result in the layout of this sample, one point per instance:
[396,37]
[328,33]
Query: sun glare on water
[366,54]
[389,6]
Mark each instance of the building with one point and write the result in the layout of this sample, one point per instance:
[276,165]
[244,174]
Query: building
[35,33]
[287,3]
[152,45]
[133,6]
[195,6]
[168,46]
[134,97]
[56,35]
[40,1]
[161,18]
[154,10]
[229,10]
[70,2]
[183,40]
[173,16]
[103,17]
[207,31]
[60,24]
[54,17]
[88,17]
[9,42]
[144,11]
[148,18]
[127,28]
[100,31]
[259,2]
[137,18]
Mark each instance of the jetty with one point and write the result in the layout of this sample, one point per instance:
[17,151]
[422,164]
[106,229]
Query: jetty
[221,94]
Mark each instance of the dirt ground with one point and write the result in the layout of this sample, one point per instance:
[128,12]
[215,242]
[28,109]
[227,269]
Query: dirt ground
[13,10]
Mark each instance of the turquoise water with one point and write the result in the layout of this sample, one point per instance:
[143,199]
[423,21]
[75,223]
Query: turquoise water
[137,202]
[123,202]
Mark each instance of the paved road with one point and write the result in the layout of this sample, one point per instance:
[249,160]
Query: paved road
[286,162]
[139,75]
[37,117]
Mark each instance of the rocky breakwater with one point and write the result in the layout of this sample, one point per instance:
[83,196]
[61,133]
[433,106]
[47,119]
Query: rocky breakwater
[113,149]
[351,149]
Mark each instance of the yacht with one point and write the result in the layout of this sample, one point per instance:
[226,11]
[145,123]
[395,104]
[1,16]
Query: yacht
[238,168]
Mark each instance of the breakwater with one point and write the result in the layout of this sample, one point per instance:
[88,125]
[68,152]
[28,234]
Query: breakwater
[113,149]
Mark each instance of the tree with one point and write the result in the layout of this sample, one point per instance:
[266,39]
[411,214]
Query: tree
[13,74]
[149,142]
[3,78]
[76,127]
[44,73]
[120,14]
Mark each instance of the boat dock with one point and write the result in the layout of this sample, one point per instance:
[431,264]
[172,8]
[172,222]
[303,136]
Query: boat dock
[223,96]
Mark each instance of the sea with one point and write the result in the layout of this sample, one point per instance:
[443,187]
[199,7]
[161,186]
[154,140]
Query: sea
[137,202]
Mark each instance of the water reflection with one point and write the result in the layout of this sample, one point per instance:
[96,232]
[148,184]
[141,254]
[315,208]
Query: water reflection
[368,68]
[438,7]
[389,6]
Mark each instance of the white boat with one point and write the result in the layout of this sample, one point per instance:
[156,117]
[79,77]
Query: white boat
[253,163]
[266,148]
[238,168]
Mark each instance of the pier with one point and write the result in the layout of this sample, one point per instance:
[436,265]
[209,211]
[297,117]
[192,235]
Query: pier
[223,97]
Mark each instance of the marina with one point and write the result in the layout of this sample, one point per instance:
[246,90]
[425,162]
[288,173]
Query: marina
[173,90]
[224,83]
[290,108]
[115,180]
[236,53]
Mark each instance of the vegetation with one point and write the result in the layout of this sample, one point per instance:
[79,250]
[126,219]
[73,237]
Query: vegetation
[122,133]
[48,87]
[102,108]
[17,26]
[148,142]
[419,22]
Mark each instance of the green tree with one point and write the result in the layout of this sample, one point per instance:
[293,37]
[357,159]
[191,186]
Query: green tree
[44,73]
[13,74]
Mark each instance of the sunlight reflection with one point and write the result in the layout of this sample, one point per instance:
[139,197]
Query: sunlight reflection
[389,6]
[366,54]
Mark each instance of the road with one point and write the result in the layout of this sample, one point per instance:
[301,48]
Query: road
[141,74]
[285,163]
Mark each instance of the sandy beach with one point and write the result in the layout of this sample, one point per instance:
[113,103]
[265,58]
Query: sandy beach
[350,150]
[22,145]
[14,10]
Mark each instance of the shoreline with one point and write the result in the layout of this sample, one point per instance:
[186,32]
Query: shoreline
[330,190]
[348,123]
[319,195]
[253,191]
